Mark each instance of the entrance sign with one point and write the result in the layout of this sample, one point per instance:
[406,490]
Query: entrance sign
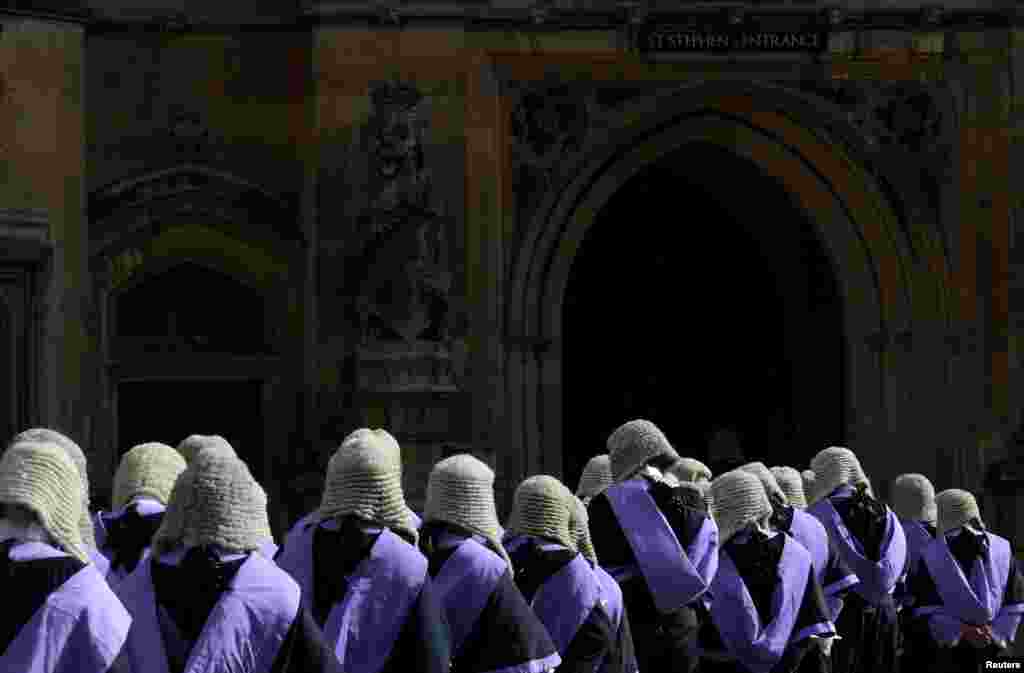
[720,33]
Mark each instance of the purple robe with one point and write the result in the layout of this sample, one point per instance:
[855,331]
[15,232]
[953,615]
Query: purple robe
[466,581]
[566,599]
[832,574]
[363,627]
[579,599]
[674,576]
[757,646]
[918,537]
[977,599]
[242,634]
[492,629]
[877,578]
[81,627]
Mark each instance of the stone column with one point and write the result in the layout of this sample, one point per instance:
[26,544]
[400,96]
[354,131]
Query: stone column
[42,130]
[485,271]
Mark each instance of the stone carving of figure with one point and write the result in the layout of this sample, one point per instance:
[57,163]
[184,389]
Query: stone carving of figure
[397,126]
[405,294]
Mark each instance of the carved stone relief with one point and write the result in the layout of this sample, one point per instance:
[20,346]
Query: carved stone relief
[395,132]
[905,123]
[407,330]
[550,121]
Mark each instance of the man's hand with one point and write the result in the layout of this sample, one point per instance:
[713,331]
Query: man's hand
[976,636]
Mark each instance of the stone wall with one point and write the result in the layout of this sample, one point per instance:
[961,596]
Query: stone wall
[417,171]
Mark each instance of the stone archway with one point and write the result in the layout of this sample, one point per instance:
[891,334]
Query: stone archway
[886,296]
[199,224]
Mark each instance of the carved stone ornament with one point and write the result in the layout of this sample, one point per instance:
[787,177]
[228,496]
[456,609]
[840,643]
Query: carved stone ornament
[548,123]
[902,122]
[405,285]
[396,130]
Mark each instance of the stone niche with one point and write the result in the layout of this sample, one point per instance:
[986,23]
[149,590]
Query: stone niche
[399,300]
[409,366]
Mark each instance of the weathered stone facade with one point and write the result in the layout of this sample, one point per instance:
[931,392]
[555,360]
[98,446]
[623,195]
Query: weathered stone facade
[402,193]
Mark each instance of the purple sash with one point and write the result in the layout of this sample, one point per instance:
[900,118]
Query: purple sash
[976,600]
[268,548]
[243,633]
[101,562]
[810,533]
[299,526]
[297,557]
[877,578]
[918,538]
[466,580]
[564,602]
[759,647]
[81,628]
[381,593]
[610,596]
[670,575]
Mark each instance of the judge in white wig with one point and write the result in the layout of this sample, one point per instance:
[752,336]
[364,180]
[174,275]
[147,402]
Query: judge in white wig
[142,487]
[558,580]
[767,611]
[193,445]
[655,537]
[311,517]
[59,613]
[624,658]
[833,576]
[206,599]
[968,591]
[871,542]
[491,625]
[913,499]
[360,571]
[77,456]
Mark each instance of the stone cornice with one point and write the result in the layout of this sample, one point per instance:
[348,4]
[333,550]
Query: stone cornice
[545,15]
[58,12]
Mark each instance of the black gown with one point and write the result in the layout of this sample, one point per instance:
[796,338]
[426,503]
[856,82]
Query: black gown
[422,644]
[129,536]
[914,643]
[597,639]
[964,657]
[836,570]
[869,635]
[663,642]
[188,593]
[757,562]
[507,634]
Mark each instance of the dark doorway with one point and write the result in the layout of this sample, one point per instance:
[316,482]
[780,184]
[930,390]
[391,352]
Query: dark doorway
[702,299]
[169,411]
